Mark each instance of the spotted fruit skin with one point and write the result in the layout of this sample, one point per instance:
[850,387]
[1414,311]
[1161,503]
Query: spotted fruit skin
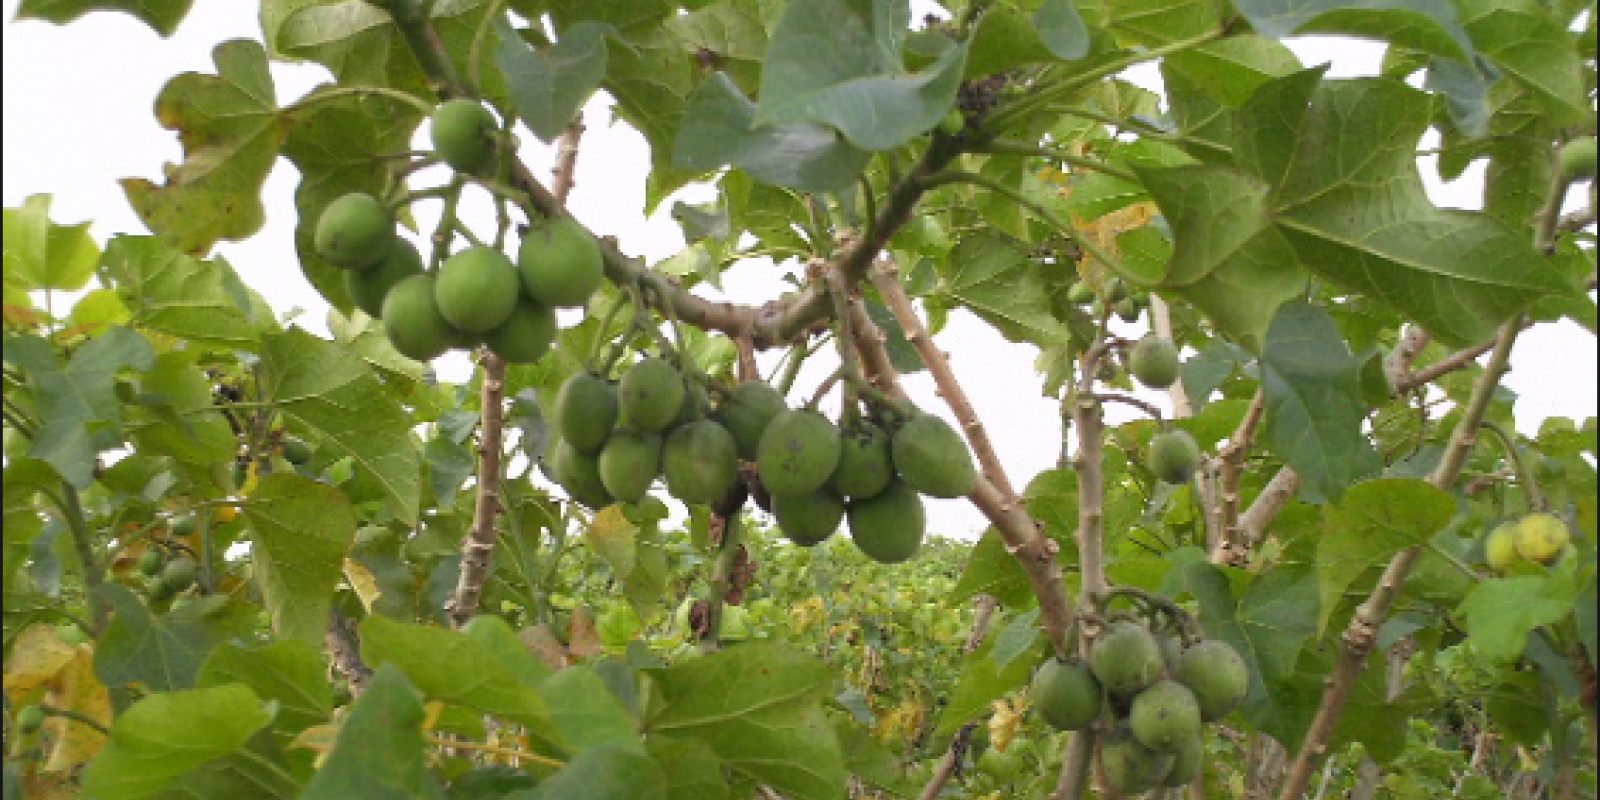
[700,462]
[650,393]
[1541,537]
[1164,714]
[1126,659]
[888,527]
[1174,456]
[1216,674]
[587,408]
[799,451]
[1066,694]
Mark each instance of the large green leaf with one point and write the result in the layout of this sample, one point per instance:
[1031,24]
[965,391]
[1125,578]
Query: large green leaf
[1314,411]
[180,295]
[162,653]
[1157,22]
[718,129]
[301,530]
[40,254]
[167,734]
[587,714]
[1374,521]
[381,753]
[231,128]
[1534,48]
[1231,69]
[1501,613]
[333,392]
[77,403]
[993,571]
[341,144]
[1062,30]
[992,275]
[696,772]
[548,86]
[1431,26]
[161,15]
[291,673]
[736,31]
[757,706]
[603,773]
[451,666]
[838,62]
[1339,158]
[651,79]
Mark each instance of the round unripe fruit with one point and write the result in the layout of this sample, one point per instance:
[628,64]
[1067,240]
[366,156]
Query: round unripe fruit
[296,451]
[1541,537]
[933,458]
[808,519]
[1153,361]
[368,287]
[745,412]
[476,289]
[1188,759]
[650,394]
[1500,547]
[1129,765]
[151,561]
[799,451]
[586,410]
[1066,694]
[179,573]
[1126,659]
[1579,159]
[412,318]
[888,527]
[526,335]
[1001,765]
[1216,674]
[1164,715]
[629,463]
[701,462]
[1128,309]
[865,467]
[354,231]
[1080,293]
[1116,291]
[560,263]
[29,720]
[463,133]
[579,474]
[1174,456]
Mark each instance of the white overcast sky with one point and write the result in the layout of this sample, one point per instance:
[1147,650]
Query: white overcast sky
[78,116]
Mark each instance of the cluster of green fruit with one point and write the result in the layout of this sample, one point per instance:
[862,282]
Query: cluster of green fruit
[1540,538]
[1117,298]
[166,578]
[1153,697]
[477,295]
[1174,454]
[614,439]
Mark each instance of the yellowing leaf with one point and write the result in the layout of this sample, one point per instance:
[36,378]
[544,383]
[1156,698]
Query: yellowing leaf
[38,655]
[76,689]
[362,581]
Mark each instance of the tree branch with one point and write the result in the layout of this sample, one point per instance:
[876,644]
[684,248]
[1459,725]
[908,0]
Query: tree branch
[993,494]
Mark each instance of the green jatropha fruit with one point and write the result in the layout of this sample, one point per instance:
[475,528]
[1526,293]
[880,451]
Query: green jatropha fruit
[296,451]
[701,462]
[1579,159]
[1216,674]
[889,526]
[368,287]
[1542,537]
[865,466]
[1164,714]
[29,720]
[354,231]
[578,473]
[1066,694]
[1080,292]
[933,458]
[463,134]
[650,395]
[151,561]
[808,519]
[587,408]
[526,335]
[1128,309]
[1129,765]
[560,263]
[1126,659]
[477,289]
[415,326]
[695,406]
[1188,760]
[745,411]
[629,463]
[1500,547]
[798,452]
[1153,361]
[179,573]
[1174,456]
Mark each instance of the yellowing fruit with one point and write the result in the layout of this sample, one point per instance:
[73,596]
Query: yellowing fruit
[1541,537]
